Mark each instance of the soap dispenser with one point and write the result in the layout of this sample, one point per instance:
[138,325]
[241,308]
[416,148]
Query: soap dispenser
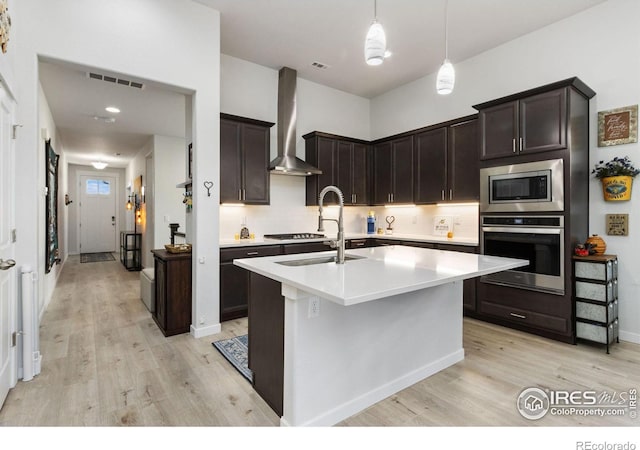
[371,223]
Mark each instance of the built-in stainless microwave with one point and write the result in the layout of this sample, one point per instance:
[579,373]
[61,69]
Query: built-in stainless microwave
[535,186]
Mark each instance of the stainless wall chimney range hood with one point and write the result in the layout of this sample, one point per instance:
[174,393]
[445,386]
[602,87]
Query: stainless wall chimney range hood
[286,163]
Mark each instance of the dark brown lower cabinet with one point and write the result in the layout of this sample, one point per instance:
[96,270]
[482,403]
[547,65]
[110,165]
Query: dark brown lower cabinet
[469,287]
[539,313]
[266,339]
[173,291]
[234,280]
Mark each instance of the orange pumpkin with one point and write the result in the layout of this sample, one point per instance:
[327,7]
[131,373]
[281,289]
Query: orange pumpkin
[597,244]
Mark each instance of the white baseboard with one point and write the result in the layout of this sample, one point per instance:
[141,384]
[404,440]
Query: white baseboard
[630,337]
[205,331]
[356,405]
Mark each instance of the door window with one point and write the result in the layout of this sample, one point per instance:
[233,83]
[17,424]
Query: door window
[98,187]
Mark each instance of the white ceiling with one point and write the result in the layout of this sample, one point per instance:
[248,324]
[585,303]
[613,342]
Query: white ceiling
[75,100]
[294,33]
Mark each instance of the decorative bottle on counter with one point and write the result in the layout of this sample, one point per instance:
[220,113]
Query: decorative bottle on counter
[371,223]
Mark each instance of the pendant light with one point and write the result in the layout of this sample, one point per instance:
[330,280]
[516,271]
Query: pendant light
[446,75]
[375,44]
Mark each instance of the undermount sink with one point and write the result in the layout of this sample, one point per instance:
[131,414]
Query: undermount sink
[318,260]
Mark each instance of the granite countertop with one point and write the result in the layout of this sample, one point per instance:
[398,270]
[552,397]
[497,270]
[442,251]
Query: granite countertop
[381,272]
[231,243]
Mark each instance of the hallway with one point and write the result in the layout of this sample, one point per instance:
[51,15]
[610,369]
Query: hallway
[106,363]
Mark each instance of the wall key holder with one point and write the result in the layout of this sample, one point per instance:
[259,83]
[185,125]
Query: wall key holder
[208,185]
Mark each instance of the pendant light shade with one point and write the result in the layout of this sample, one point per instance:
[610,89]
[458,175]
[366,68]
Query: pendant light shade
[446,75]
[446,78]
[375,44]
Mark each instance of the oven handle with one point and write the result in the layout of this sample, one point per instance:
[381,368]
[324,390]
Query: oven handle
[523,230]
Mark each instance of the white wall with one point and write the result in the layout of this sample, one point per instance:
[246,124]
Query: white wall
[251,90]
[171,42]
[49,131]
[601,47]
[169,167]
[138,167]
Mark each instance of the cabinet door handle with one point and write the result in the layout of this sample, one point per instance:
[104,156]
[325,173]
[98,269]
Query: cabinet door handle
[519,316]
[252,253]
[392,198]
[240,194]
[442,192]
[450,194]
[513,145]
[355,198]
[521,144]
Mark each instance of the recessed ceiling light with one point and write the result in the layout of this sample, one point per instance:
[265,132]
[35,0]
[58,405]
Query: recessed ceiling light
[112,109]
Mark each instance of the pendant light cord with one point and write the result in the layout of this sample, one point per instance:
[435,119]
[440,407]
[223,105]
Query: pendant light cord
[446,31]
[375,10]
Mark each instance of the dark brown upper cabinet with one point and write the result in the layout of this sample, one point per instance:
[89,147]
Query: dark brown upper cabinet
[533,124]
[528,122]
[344,163]
[244,160]
[393,171]
[446,163]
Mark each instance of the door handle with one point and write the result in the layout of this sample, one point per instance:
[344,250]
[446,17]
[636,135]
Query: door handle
[113,220]
[6,265]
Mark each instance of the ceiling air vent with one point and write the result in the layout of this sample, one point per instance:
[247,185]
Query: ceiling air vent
[319,65]
[110,79]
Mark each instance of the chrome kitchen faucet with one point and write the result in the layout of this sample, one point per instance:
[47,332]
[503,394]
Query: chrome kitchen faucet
[339,243]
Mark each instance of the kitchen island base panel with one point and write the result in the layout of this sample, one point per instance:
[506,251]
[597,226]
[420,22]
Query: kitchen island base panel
[348,358]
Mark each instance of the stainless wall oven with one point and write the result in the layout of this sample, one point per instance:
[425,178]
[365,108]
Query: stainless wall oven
[528,187]
[539,239]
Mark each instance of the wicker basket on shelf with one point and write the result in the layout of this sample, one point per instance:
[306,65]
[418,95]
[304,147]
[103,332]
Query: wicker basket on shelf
[178,248]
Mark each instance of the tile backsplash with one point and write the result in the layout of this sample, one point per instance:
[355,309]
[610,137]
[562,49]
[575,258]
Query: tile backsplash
[288,214]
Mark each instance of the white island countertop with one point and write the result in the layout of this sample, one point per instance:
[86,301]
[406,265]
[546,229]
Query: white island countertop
[382,272]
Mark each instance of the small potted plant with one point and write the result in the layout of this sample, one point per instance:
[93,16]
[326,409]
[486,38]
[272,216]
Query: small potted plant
[616,177]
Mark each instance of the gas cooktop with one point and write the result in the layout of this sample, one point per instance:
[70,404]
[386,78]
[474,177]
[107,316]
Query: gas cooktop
[286,236]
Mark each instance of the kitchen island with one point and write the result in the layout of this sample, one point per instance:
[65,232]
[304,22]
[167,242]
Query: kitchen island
[358,332]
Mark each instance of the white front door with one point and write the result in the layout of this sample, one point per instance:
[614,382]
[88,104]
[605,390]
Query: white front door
[97,214]
[8,275]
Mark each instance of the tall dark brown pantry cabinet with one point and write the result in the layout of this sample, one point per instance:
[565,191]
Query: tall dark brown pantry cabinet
[244,160]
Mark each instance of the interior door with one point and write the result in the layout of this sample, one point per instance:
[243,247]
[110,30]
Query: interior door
[97,214]
[8,276]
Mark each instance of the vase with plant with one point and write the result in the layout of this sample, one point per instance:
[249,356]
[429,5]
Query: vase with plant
[616,177]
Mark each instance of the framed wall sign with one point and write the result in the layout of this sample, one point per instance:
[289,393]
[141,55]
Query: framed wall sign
[618,126]
[617,224]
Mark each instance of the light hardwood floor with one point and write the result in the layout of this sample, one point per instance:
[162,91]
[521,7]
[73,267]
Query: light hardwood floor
[105,363]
